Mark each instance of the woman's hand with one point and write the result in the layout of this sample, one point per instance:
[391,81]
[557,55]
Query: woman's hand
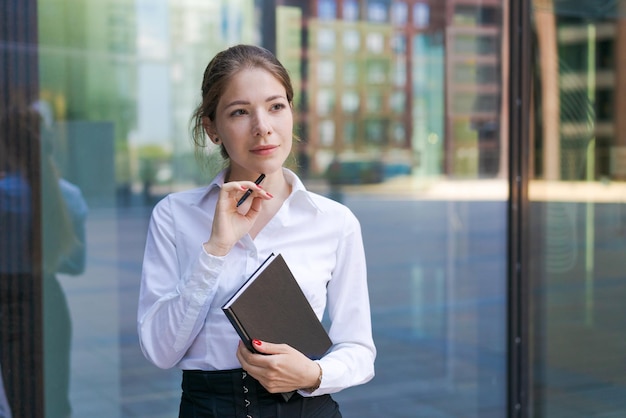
[283,370]
[230,222]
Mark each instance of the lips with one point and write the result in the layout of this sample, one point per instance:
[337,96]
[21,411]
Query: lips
[264,149]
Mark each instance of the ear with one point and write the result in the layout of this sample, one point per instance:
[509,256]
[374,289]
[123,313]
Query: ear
[209,128]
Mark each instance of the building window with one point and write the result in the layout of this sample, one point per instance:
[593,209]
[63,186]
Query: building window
[326,72]
[350,10]
[374,102]
[398,43]
[351,41]
[349,133]
[398,102]
[399,13]
[376,72]
[327,9]
[399,72]
[421,15]
[377,11]
[326,40]
[327,133]
[325,102]
[350,73]
[375,131]
[350,102]
[375,43]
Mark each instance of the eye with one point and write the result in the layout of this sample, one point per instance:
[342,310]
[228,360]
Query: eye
[238,112]
[277,106]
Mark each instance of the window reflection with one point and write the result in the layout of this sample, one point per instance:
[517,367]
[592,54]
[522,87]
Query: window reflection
[577,208]
[402,123]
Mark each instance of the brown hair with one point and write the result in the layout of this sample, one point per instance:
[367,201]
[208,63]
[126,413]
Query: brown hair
[218,73]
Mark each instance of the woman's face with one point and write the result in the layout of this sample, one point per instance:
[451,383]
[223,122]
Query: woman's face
[254,122]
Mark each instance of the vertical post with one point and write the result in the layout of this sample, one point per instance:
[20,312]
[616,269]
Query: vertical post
[267,24]
[518,336]
[21,348]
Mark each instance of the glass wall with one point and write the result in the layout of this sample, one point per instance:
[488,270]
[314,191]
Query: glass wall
[578,209]
[401,106]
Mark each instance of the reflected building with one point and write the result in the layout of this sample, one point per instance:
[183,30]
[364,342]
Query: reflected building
[413,84]
[88,81]
[475,67]
[583,138]
[198,30]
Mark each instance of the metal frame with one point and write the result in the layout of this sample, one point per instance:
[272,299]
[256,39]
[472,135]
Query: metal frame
[518,335]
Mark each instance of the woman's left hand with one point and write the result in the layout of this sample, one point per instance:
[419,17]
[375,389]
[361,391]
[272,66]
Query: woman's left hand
[283,370]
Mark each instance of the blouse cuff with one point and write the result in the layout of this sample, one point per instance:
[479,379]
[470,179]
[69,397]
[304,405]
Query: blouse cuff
[202,277]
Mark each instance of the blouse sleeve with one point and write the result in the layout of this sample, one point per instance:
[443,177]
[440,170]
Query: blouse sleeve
[173,302]
[351,360]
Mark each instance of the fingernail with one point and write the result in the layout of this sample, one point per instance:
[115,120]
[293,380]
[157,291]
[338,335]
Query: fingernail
[256,342]
[269,194]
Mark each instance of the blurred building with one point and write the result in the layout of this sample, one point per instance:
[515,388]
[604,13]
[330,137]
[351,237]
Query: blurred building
[414,85]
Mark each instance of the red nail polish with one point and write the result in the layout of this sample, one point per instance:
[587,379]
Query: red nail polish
[256,342]
[269,194]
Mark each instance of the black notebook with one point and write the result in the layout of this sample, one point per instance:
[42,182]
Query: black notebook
[271,307]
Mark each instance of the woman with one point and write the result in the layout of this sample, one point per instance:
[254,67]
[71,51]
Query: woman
[201,247]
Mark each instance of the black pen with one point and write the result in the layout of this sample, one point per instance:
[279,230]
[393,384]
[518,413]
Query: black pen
[249,191]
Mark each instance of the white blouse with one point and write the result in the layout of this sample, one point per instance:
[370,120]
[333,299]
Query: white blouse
[180,320]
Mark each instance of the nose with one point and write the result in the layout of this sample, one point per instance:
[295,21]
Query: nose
[262,125]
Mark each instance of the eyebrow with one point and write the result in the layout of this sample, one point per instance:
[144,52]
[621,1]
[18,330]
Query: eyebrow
[243,102]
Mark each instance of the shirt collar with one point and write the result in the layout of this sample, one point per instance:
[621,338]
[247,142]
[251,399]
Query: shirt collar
[298,191]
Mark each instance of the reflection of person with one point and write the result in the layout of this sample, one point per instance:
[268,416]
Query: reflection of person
[5,411]
[200,249]
[63,213]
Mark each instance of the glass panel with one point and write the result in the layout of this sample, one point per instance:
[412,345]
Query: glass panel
[578,207]
[409,134]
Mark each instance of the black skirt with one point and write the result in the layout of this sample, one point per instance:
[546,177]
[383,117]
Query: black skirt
[235,394]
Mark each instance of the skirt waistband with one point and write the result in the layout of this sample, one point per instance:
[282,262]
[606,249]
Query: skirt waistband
[234,393]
